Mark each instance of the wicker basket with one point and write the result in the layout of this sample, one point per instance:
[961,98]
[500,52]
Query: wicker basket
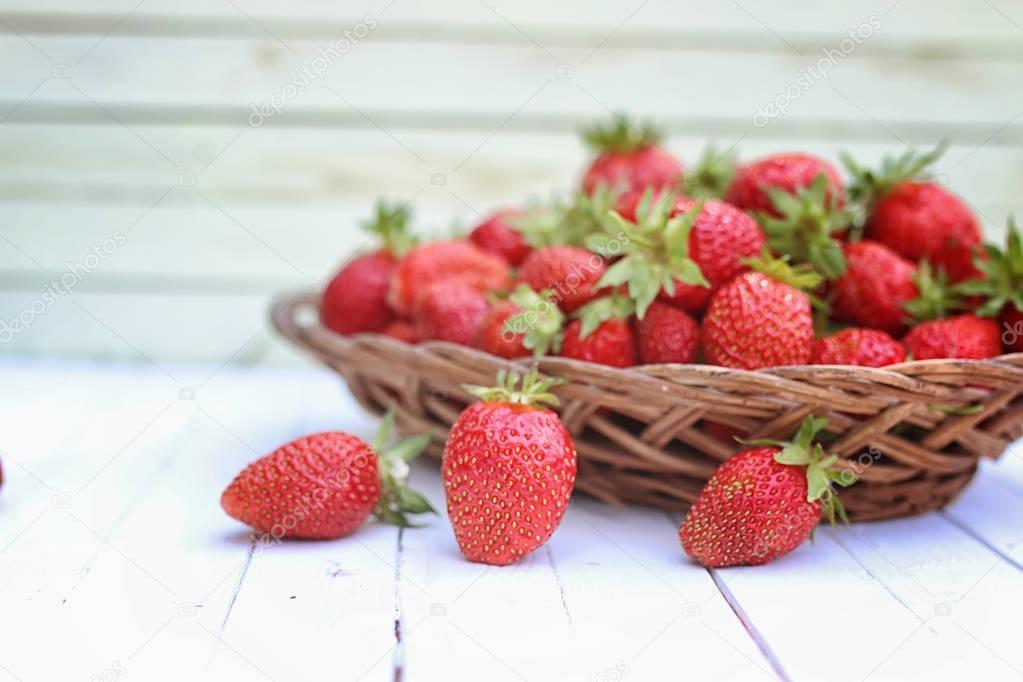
[911,433]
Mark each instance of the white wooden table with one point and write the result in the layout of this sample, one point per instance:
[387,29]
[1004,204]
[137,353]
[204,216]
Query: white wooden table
[116,562]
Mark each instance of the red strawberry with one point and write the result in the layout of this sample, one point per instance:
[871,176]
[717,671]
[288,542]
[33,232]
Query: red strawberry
[527,324]
[326,485]
[721,239]
[917,218]
[603,334]
[875,288]
[497,236]
[449,260]
[1001,285]
[629,158]
[857,346]
[966,337]
[509,468]
[786,172]
[667,334]
[449,311]
[761,319]
[570,271]
[355,300]
[400,330]
[763,503]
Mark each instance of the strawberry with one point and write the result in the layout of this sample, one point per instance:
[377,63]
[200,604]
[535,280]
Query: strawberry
[1001,286]
[965,337]
[526,324]
[721,239]
[667,334]
[876,286]
[446,260]
[402,330]
[764,502]
[498,236]
[509,468]
[761,319]
[628,158]
[786,172]
[570,271]
[355,300]
[807,225]
[916,217]
[326,485]
[567,223]
[450,311]
[858,346]
[603,334]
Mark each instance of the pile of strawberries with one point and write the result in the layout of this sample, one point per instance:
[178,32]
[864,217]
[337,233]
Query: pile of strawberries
[776,262]
[780,261]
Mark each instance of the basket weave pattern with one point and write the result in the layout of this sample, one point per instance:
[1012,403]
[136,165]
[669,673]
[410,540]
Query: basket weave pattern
[912,434]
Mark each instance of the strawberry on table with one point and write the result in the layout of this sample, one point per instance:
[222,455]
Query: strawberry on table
[966,337]
[764,502]
[858,346]
[602,333]
[761,318]
[445,261]
[667,334]
[497,235]
[629,158]
[1001,286]
[786,172]
[509,469]
[355,300]
[876,286]
[915,216]
[571,272]
[326,485]
[450,311]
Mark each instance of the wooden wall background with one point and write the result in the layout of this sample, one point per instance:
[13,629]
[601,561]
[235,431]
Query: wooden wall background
[121,117]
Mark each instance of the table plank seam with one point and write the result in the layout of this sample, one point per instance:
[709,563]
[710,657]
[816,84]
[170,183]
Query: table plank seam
[972,533]
[747,624]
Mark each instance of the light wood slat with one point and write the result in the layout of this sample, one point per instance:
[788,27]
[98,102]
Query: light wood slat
[914,18]
[420,78]
[610,586]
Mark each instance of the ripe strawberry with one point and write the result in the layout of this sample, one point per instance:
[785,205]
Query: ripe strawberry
[571,272]
[355,300]
[628,158]
[966,337]
[450,311]
[786,172]
[858,346]
[667,334]
[447,260]
[602,333]
[1001,285]
[764,502]
[509,468]
[761,319]
[526,324]
[876,286]
[401,330]
[915,217]
[721,239]
[498,236]
[326,485]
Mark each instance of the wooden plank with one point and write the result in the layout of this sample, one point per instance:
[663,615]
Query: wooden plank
[421,78]
[472,620]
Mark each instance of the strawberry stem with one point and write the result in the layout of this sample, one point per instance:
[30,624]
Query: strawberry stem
[390,223]
[397,500]
[533,392]
[621,135]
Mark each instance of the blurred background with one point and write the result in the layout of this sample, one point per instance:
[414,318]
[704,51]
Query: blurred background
[171,165]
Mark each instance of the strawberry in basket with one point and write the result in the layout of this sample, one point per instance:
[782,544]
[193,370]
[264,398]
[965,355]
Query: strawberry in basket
[445,261]
[915,216]
[764,502]
[629,158]
[1002,288]
[509,469]
[786,172]
[355,300]
[499,236]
